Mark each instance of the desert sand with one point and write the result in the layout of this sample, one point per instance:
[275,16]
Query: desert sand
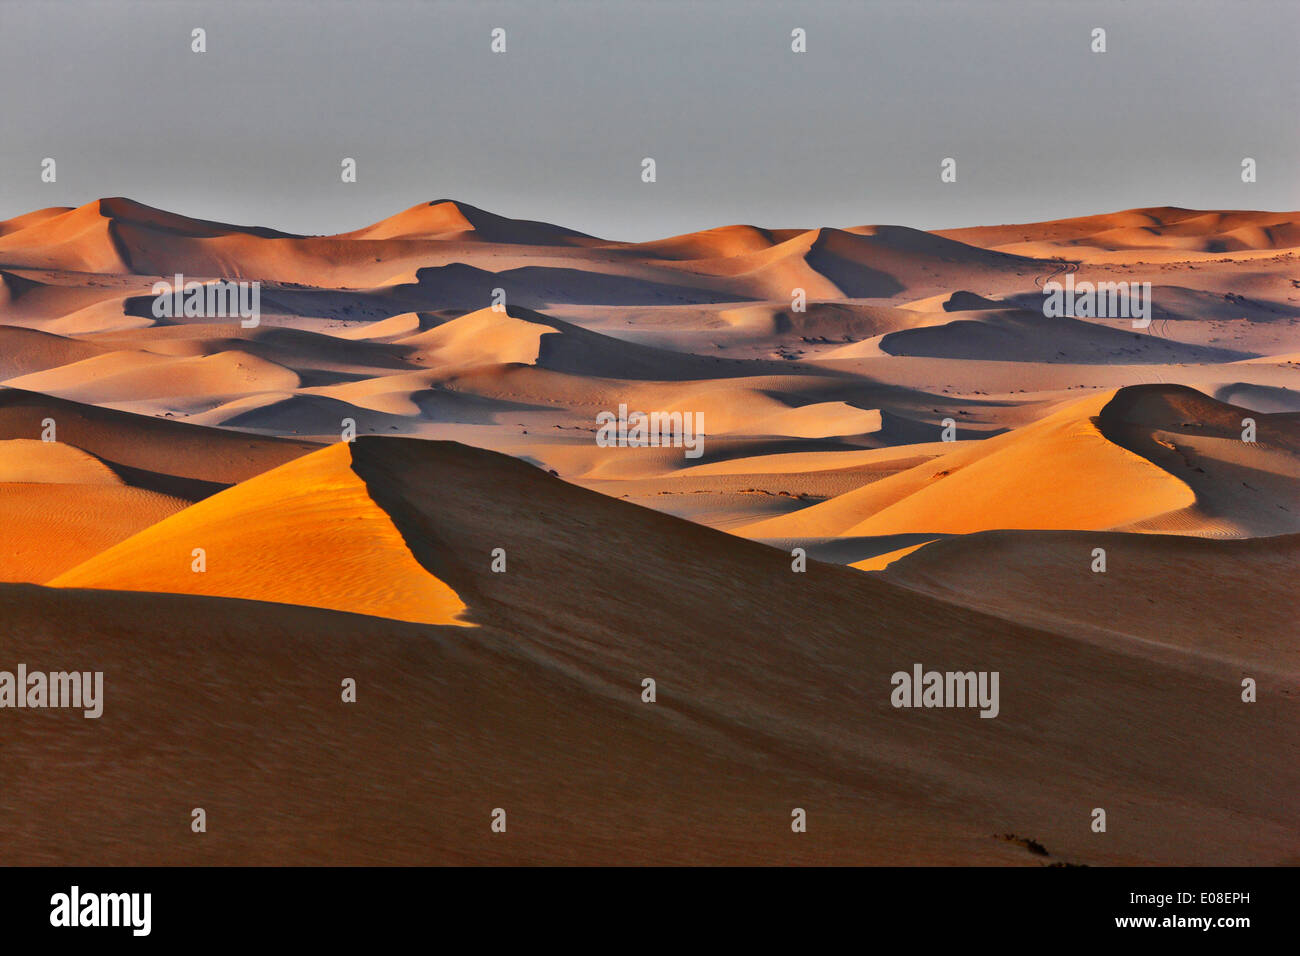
[394,476]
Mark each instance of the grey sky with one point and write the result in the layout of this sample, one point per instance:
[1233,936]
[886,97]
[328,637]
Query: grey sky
[742,129]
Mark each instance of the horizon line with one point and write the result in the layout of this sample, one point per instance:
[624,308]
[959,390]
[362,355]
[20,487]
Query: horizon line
[463,204]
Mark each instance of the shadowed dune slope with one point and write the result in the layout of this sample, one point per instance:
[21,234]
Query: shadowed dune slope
[1242,611]
[1243,488]
[187,452]
[1020,336]
[23,351]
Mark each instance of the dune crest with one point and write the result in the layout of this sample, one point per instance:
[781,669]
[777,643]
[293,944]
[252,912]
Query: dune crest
[447,219]
[485,337]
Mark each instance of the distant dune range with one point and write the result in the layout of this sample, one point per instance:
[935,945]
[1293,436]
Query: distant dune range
[950,459]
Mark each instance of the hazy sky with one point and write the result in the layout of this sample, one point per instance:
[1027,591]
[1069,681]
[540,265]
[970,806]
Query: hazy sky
[741,128]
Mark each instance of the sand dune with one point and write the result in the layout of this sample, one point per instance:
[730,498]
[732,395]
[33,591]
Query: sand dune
[1021,336]
[959,301]
[322,541]
[520,688]
[1080,479]
[1150,458]
[485,337]
[1242,488]
[1166,228]
[820,420]
[80,240]
[1045,579]
[32,218]
[318,416]
[122,236]
[61,302]
[516,335]
[47,528]
[391,328]
[877,261]
[829,321]
[446,219]
[60,505]
[535,712]
[31,460]
[723,242]
[23,351]
[1260,398]
[817,461]
[107,476]
[119,377]
[194,456]
[1151,223]
[317,358]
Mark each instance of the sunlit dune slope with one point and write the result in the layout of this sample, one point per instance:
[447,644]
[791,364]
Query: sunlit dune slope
[1105,462]
[1058,472]
[60,505]
[308,533]
[32,460]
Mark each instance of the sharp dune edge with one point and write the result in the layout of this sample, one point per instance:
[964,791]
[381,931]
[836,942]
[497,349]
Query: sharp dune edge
[127,441]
